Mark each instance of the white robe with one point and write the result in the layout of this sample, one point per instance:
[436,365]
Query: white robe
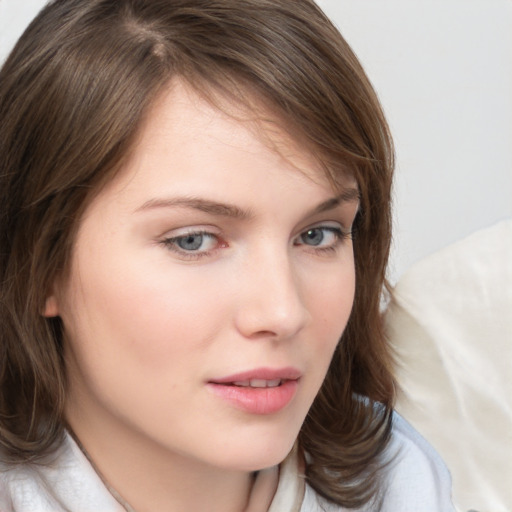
[417,481]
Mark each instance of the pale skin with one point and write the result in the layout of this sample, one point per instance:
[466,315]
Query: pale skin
[213,252]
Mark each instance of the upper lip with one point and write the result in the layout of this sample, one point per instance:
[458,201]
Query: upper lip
[288,373]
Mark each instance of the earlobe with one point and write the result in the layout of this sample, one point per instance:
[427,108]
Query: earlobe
[51,308]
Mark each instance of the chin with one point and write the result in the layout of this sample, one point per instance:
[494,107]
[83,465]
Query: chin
[264,453]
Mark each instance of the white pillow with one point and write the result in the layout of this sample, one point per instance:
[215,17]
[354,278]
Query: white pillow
[450,322]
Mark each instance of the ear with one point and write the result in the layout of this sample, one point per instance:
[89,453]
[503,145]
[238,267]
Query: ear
[51,307]
[51,304]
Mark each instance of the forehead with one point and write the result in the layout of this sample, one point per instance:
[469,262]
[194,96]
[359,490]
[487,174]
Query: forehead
[247,122]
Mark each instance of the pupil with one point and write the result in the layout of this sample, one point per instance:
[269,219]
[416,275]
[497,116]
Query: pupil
[190,242]
[313,237]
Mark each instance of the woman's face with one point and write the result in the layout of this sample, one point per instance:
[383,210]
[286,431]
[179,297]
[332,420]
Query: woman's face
[209,285]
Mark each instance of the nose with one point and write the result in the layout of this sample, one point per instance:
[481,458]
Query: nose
[270,299]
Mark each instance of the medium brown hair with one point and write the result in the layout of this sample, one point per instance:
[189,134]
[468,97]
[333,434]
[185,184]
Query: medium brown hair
[73,94]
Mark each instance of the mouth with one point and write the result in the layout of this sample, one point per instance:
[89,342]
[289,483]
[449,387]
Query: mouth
[258,383]
[261,391]
[260,377]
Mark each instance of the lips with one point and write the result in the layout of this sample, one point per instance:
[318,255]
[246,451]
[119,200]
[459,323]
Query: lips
[260,374]
[259,391]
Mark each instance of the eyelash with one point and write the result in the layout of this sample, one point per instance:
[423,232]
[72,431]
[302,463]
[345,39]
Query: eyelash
[339,234]
[171,243]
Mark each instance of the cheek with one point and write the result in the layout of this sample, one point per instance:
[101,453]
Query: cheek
[147,315]
[333,298]
[330,307]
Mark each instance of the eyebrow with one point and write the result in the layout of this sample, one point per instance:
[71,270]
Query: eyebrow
[232,211]
[349,195]
[197,203]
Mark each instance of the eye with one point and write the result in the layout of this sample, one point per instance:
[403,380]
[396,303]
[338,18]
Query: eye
[313,236]
[193,244]
[322,237]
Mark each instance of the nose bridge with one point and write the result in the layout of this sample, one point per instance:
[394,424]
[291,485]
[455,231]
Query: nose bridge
[271,303]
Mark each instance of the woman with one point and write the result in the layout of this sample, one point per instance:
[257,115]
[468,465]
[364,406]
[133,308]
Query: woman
[195,227]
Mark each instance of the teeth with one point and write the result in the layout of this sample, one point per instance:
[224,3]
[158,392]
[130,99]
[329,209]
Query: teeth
[258,383]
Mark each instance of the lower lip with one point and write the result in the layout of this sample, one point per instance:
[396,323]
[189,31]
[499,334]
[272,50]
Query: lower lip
[257,400]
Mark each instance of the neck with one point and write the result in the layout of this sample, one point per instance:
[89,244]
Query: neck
[143,477]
